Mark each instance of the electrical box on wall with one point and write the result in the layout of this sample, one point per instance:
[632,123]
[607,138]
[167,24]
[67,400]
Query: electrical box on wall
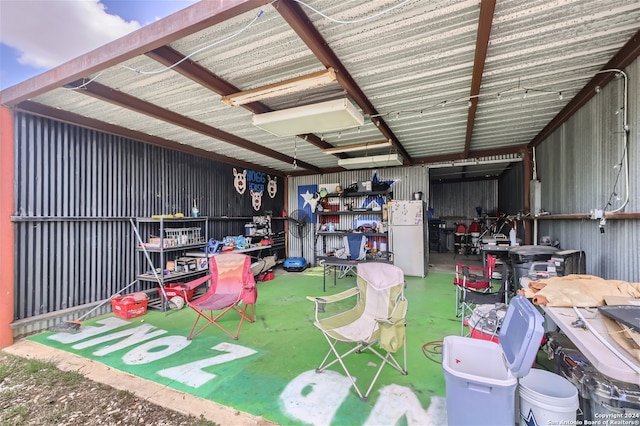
[535,197]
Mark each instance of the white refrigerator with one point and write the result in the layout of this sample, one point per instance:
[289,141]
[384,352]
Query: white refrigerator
[407,236]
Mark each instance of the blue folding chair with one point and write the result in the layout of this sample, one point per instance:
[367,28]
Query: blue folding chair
[354,249]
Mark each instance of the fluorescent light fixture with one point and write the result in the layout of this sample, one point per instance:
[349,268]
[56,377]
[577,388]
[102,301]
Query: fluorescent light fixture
[474,162]
[310,81]
[371,161]
[327,116]
[357,147]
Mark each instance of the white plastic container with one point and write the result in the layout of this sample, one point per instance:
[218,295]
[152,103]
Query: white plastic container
[481,377]
[547,398]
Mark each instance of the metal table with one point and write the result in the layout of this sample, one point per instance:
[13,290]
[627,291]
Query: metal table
[601,357]
[500,252]
[334,262]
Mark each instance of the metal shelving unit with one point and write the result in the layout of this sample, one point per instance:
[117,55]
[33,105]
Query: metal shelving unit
[175,236]
[366,214]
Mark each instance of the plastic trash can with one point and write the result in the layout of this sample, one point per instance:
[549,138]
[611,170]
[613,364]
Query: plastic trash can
[481,377]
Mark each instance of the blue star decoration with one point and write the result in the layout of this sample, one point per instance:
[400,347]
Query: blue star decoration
[530,420]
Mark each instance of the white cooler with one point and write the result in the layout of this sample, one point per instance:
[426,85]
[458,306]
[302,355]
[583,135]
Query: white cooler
[481,377]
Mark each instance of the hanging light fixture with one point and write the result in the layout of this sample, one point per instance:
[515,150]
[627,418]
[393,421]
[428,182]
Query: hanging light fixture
[323,117]
[371,161]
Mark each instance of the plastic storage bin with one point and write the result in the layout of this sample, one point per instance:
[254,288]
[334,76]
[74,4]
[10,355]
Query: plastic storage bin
[176,289]
[481,377]
[130,306]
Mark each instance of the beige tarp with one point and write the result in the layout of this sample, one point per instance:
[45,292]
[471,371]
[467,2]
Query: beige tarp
[582,291]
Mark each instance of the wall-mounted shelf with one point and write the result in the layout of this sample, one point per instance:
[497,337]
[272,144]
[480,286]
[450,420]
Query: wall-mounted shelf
[350,212]
[343,233]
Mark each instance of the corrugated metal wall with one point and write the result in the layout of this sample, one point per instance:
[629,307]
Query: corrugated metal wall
[510,187]
[406,181]
[580,169]
[457,201]
[75,192]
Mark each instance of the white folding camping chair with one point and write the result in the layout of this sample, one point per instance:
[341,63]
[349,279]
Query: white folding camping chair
[374,325]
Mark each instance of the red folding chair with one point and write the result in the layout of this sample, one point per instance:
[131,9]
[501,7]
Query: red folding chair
[474,285]
[472,278]
[232,287]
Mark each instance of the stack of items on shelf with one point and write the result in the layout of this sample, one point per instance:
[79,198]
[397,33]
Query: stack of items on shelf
[191,264]
[176,237]
[260,226]
[358,211]
[235,242]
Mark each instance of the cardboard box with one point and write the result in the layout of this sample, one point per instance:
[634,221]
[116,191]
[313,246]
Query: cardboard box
[130,306]
[186,264]
[202,263]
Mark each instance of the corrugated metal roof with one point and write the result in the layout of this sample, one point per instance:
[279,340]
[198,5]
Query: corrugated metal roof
[413,61]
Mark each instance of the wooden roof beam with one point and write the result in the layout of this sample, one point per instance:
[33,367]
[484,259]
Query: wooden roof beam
[100,126]
[126,101]
[516,149]
[300,23]
[167,56]
[187,21]
[487,8]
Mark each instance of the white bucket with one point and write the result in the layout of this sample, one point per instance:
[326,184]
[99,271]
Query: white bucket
[546,399]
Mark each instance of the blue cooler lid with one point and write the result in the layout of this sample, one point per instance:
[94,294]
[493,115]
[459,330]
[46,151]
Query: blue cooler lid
[520,335]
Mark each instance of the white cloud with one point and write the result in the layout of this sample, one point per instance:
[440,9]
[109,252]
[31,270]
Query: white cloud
[48,33]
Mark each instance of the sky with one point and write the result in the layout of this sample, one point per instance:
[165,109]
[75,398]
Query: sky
[37,35]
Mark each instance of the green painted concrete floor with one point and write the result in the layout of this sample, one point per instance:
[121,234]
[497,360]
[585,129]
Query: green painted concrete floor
[270,370]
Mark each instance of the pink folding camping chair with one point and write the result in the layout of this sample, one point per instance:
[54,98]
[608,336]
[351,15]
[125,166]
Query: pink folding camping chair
[232,287]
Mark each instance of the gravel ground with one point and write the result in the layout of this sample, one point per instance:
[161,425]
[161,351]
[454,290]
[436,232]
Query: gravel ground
[34,392]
